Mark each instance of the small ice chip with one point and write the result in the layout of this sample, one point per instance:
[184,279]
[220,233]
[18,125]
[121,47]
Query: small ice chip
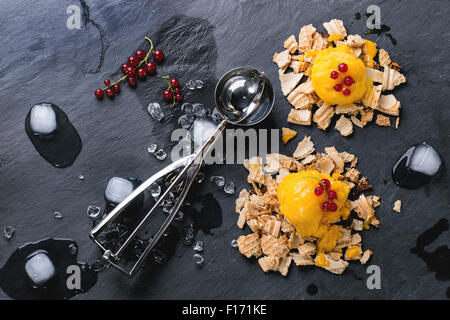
[191,85]
[170,198]
[200,177]
[81,177]
[216,116]
[167,208]
[198,259]
[57,215]
[185,121]
[155,190]
[43,119]
[425,159]
[229,188]
[39,267]
[199,84]
[202,130]
[73,249]
[179,216]
[154,109]
[198,246]
[93,212]
[152,148]
[218,181]
[118,189]
[8,232]
[200,110]
[234,243]
[187,107]
[160,154]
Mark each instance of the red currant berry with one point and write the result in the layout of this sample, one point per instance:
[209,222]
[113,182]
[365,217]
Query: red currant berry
[131,81]
[179,97]
[332,195]
[130,71]
[326,183]
[140,54]
[99,93]
[174,83]
[110,93]
[124,67]
[334,75]
[177,90]
[116,88]
[318,190]
[348,81]
[338,87]
[133,61]
[158,55]
[167,95]
[332,206]
[343,67]
[326,206]
[347,92]
[150,68]
[141,73]
[107,82]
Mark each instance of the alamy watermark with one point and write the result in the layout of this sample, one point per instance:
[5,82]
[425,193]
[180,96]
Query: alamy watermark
[74,19]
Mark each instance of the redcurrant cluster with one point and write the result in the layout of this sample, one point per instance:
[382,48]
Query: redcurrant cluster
[346,81]
[325,187]
[173,92]
[137,66]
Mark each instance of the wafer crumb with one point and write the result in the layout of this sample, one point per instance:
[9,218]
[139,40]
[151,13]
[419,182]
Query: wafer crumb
[398,206]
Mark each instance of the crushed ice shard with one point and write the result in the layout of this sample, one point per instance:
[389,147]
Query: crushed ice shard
[43,119]
[39,268]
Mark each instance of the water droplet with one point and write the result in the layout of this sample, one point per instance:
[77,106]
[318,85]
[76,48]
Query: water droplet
[154,109]
[73,249]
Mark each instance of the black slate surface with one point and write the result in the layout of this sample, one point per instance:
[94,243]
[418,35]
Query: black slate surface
[41,60]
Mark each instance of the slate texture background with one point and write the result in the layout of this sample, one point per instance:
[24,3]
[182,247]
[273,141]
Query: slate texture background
[41,60]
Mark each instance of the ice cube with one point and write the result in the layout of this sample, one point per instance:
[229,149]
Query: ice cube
[167,208]
[201,130]
[234,243]
[198,246]
[179,216]
[160,154]
[93,212]
[229,188]
[185,121]
[218,181]
[57,215]
[198,259]
[199,84]
[39,267]
[43,119]
[191,85]
[425,159]
[200,177]
[200,110]
[118,189]
[170,198]
[155,111]
[216,116]
[187,107]
[152,148]
[155,190]
[8,232]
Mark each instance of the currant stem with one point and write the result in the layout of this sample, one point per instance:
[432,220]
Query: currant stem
[171,89]
[140,63]
[322,184]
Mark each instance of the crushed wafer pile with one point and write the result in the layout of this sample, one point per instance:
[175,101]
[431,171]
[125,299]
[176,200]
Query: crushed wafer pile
[295,66]
[274,241]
